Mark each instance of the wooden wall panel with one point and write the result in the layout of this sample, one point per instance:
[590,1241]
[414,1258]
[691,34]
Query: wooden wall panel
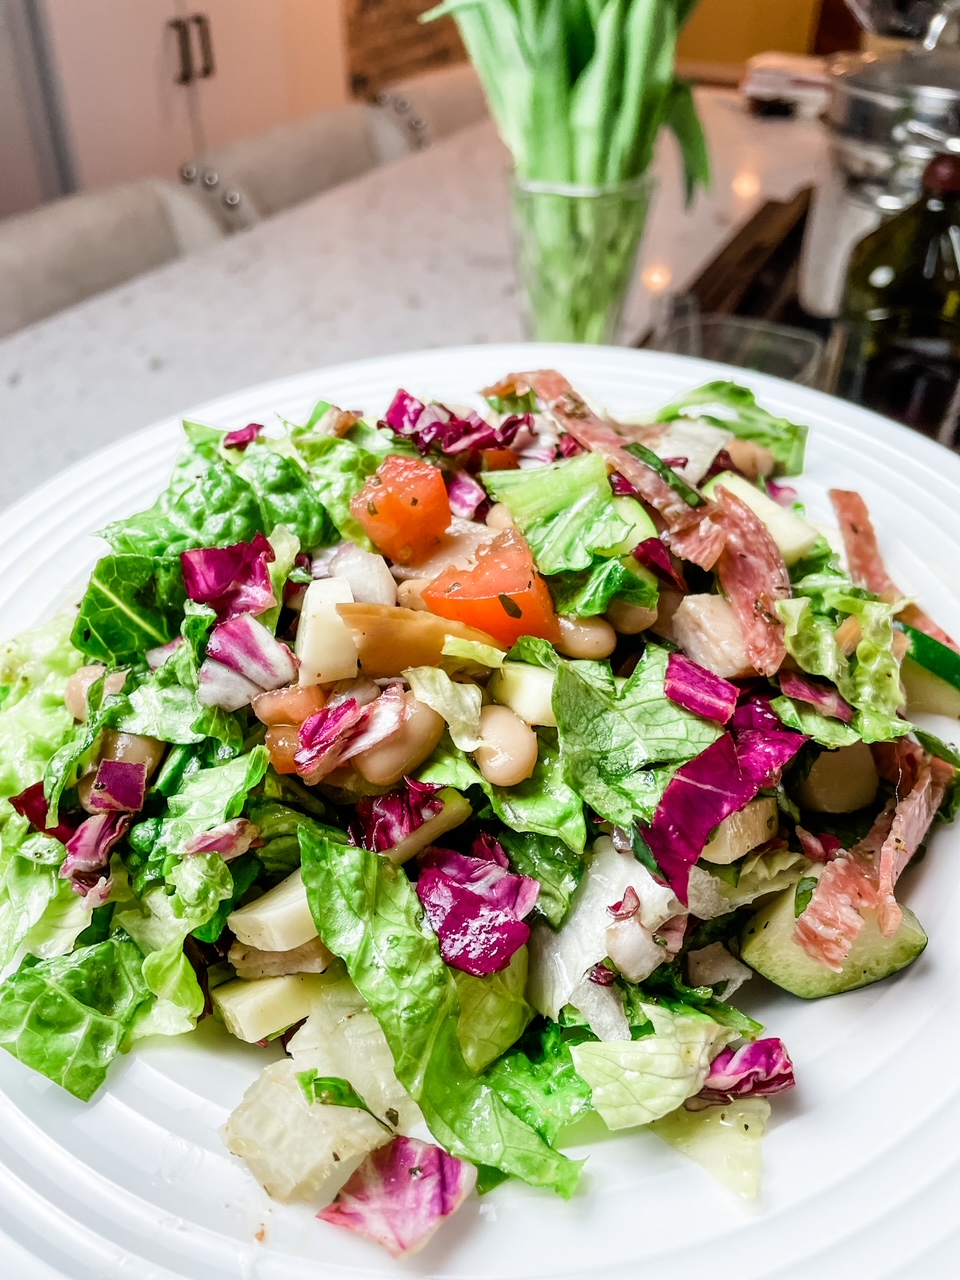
[385,43]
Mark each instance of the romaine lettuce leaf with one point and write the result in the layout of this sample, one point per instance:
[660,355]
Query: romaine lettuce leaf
[723,1140]
[610,730]
[493,1011]
[808,720]
[538,1081]
[339,468]
[591,591]
[634,1082]
[459,704]
[367,913]
[67,1017]
[287,496]
[544,803]
[132,603]
[215,509]
[740,413]
[547,859]
[565,510]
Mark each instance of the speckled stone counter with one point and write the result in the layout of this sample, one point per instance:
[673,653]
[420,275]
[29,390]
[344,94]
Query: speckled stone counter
[415,254]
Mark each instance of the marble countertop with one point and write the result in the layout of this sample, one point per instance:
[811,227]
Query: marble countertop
[412,255]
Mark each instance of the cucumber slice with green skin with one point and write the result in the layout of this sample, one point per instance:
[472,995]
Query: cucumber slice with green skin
[767,946]
[793,535]
[931,674]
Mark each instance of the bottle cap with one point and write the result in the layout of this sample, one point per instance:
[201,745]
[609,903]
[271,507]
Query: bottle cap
[942,176]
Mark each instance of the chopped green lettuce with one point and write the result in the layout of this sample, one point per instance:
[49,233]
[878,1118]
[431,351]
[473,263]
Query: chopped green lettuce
[635,1082]
[493,1011]
[547,859]
[544,803]
[565,510]
[806,719]
[611,730]
[67,1017]
[591,591]
[458,703]
[739,412]
[366,910]
[538,1081]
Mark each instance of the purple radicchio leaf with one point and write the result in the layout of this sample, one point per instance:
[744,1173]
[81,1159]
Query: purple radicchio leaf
[32,805]
[473,935]
[784,494]
[323,738]
[653,555]
[232,580]
[707,789]
[430,425]
[756,1070]
[243,436]
[379,721]
[695,689]
[490,849]
[487,879]
[569,448]
[222,687]
[119,787]
[466,495]
[88,849]
[229,839]
[382,822]
[826,699]
[158,656]
[246,646]
[400,1194]
[821,848]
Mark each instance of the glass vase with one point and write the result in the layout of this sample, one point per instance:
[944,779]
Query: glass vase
[576,253]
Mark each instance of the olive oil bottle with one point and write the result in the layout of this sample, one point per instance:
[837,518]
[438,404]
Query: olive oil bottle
[900,323]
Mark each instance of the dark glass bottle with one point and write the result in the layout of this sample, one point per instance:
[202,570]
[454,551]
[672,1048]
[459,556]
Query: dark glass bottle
[901,311]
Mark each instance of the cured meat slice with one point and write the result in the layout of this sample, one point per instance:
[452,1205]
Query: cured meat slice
[754,577]
[867,875]
[911,822]
[831,922]
[694,533]
[866,564]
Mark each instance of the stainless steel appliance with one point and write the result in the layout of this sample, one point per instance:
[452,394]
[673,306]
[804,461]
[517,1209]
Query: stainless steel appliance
[887,117]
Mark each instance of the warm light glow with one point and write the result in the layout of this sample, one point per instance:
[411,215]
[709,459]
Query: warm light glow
[746,185]
[657,277]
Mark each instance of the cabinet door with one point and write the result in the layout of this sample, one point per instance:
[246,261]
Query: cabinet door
[116,63]
[273,61]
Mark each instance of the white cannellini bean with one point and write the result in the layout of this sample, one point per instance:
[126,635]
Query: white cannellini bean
[401,753]
[586,638]
[410,593]
[509,750]
[499,517]
[630,619]
[79,685]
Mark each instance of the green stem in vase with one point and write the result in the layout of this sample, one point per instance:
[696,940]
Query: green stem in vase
[579,90]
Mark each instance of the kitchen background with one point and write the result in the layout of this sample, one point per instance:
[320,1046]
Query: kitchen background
[90,90]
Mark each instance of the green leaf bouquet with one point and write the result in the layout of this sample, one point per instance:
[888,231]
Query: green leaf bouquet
[579,90]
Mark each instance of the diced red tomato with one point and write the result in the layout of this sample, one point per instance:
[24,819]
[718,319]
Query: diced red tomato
[403,508]
[283,742]
[291,705]
[499,460]
[504,595]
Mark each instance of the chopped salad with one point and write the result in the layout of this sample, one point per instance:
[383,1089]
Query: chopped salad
[468,762]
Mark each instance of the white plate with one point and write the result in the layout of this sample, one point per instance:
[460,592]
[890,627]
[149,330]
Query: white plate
[862,1174]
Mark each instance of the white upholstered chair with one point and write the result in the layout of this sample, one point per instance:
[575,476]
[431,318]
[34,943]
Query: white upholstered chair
[66,251]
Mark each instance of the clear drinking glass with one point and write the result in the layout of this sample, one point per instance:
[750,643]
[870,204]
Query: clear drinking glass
[777,349]
[576,253]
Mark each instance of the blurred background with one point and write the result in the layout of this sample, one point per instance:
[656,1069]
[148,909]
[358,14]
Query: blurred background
[335,163]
